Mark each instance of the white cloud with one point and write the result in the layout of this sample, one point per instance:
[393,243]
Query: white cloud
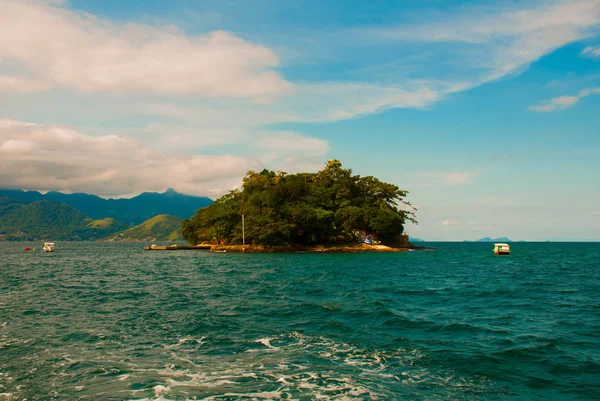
[310,102]
[278,144]
[591,51]
[563,102]
[555,104]
[495,42]
[16,84]
[452,179]
[78,51]
[334,101]
[67,49]
[49,157]
[596,212]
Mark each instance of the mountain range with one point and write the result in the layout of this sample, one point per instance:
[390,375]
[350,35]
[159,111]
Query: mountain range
[30,215]
[499,239]
[131,211]
[485,239]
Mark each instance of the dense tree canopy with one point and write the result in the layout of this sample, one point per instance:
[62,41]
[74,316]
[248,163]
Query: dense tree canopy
[330,206]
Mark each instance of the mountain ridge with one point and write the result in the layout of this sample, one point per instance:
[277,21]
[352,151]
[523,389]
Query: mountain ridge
[131,211]
[43,220]
[488,239]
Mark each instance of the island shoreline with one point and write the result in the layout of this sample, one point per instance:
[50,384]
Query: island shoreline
[331,248]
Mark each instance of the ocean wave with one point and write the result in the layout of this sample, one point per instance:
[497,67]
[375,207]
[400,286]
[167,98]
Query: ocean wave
[300,366]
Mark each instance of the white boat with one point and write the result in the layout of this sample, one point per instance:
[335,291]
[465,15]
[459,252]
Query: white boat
[48,246]
[502,249]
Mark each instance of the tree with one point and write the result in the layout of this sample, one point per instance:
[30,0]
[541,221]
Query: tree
[329,206]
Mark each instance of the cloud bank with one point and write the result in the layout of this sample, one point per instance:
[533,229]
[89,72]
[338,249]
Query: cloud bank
[48,157]
[53,157]
[67,49]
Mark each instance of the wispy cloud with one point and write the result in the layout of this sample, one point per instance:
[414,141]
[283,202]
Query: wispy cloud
[591,51]
[454,178]
[278,144]
[456,225]
[497,42]
[555,104]
[596,212]
[563,102]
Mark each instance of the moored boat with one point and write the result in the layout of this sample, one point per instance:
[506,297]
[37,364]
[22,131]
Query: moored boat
[502,249]
[48,246]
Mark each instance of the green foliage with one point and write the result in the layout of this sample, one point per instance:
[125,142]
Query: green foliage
[43,220]
[162,227]
[108,225]
[8,205]
[330,206]
[131,211]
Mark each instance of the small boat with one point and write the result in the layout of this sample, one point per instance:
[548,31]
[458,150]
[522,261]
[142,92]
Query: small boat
[501,249]
[48,247]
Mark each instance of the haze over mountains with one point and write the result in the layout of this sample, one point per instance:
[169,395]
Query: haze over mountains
[30,215]
[499,239]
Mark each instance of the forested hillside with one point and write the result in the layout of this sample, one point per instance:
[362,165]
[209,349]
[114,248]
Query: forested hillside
[331,206]
[162,227]
[131,211]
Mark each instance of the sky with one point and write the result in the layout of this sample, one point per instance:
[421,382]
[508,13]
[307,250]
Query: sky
[486,112]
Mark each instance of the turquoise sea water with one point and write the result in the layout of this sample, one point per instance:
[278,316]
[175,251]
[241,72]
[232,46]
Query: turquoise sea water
[105,321]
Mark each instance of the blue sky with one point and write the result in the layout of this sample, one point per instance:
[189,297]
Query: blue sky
[486,112]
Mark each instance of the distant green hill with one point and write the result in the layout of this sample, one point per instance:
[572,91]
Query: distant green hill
[42,220]
[107,225]
[7,205]
[163,227]
[130,211]
[48,220]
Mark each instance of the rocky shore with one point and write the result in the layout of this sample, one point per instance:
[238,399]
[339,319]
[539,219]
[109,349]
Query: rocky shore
[315,248]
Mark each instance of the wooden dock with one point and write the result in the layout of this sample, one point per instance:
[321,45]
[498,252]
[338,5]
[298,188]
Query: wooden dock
[178,247]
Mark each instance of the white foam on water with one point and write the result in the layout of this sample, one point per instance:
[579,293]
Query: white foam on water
[267,343]
[297,366]
[185,341]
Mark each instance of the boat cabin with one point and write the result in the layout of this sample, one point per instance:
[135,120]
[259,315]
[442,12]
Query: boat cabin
[501,249]
[48,246]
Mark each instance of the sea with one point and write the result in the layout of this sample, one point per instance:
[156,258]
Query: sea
[110,321]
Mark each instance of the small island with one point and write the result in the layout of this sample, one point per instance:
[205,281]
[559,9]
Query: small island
[331,210]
